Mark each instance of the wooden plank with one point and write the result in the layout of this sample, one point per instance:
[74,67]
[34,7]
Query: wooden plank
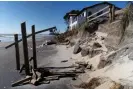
[21,81]
[31,35]
[17,52]
[98,12]
[25,48]
[34,47]
[98,16]
[22,68]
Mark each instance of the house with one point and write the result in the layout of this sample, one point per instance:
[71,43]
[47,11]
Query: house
[76,19]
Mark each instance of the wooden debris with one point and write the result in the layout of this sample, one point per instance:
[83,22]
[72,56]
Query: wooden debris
[45,82]
[44,75]
[21,81]
[81,65]
[51,78]
[34,78]
[33,81]
[22,68]
[64,61]
[31,58]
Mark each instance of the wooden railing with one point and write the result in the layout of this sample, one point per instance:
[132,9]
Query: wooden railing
[110,11]
[98,11]
[31,35]
[98,16]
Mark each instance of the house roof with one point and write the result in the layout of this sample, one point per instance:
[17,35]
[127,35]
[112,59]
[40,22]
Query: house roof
[72,14]
[96,5]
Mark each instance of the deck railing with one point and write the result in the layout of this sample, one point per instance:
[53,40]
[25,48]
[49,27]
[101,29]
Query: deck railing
[109,10]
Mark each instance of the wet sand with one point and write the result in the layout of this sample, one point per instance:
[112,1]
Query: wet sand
[46,56]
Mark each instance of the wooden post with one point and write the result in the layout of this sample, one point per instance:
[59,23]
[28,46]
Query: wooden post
[25,48]
[110,13]
[86,14]
[34,47]
[17,52]
[113,13]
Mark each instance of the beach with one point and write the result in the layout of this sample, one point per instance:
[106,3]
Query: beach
[47,56]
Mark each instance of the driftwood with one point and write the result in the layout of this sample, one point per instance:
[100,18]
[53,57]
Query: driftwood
[64,61]
[36,77]
[83,65]
[44,75]
[21,81]
[80,63]
[51,78]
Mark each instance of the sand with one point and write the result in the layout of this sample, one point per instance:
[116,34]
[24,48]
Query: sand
[50,56]
[54,60]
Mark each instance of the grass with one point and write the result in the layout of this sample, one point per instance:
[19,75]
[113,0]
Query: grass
[126,19]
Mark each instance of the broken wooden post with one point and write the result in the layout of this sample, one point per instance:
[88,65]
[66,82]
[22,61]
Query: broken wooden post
[34,47]
[31,35]
[113,13]
[17,52]
[25,48]
[110,13]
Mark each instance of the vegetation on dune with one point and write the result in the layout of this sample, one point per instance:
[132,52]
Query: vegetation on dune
[127,17]
[62,37]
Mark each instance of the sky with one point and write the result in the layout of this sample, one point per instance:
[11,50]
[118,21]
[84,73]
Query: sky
[42,14]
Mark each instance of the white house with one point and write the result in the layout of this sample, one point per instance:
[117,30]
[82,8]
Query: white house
[76,19]
[72,21]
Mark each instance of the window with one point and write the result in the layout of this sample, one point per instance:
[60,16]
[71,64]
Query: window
[89,13]
[84,14]
[99,13]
